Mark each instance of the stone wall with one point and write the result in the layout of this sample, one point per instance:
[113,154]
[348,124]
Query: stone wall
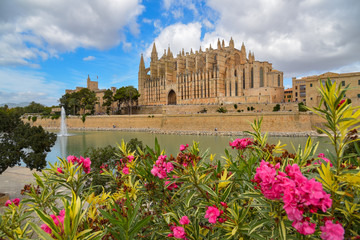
[211,108]
[272,122]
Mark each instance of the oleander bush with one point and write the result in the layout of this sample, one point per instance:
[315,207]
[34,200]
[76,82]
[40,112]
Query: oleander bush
[254,191]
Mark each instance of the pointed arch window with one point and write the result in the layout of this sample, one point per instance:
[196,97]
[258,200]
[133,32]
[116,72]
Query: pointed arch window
[243,79]
[252,78]
[261,77]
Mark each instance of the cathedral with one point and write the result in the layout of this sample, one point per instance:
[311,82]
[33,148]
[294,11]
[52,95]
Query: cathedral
[213,76]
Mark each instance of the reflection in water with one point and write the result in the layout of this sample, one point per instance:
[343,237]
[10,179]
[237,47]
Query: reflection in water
[79,141]
[63,146]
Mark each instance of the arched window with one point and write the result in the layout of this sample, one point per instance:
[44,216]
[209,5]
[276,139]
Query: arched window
[236,88]
[235,73]
[230,89]
[252,78]
[279,80]
[243,80]
[261,77]
[225,89]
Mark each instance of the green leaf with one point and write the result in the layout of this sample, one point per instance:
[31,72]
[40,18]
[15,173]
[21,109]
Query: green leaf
[209,190]
[41,233]
[139,225]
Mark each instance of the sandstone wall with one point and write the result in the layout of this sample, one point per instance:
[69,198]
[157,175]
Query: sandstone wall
[272,122]
[187,109]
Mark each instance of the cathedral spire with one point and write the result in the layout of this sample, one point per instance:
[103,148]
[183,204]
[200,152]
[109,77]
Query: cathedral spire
[231,43]
[142,64]
[168,51]
[218,44]
[154,55]
[154,49]
[223,43]
[200,49]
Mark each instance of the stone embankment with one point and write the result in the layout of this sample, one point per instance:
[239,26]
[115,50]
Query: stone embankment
[277,124]
[179,132]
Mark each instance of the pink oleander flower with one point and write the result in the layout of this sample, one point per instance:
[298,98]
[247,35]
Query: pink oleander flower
[171,186]
[169,167]
[59,170]
[304,227]
[58,221]
[341,102]
[240,143]
[86,163]
[131,158]
[125,170]
[299,194]
[322,156]
[161,167]
[183,147]
[184,220]
[15,201]
[179,232]
[7,203]
[332,231]
[72,159]
[46,228]
[212,213]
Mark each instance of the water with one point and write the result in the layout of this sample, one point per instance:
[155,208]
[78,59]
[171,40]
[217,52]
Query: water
[78,141]
[63,128]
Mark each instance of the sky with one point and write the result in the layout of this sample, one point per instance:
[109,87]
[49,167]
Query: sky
[47,46]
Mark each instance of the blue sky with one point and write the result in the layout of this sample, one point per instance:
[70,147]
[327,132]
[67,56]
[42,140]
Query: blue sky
[47,46]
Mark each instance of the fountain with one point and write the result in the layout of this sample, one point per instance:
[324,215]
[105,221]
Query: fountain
[63,129]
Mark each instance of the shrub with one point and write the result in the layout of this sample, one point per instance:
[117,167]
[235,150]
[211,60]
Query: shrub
[235,106]
[29,118]
[83,118]
[252,108]
[34,118]
[276,108]
[302,107]
[204,110]
[255,191]
[221,110]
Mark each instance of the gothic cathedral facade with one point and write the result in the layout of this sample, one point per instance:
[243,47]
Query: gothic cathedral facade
[213,76]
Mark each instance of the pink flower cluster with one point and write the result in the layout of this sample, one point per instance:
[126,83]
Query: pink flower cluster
[14,201]
[171,186]
[214,214]
[58,220]
[183,147]
[300,195]
[331,231]
[161,167]
[241,143]
[103,167]
[84,161]
[178,231]
[322,156]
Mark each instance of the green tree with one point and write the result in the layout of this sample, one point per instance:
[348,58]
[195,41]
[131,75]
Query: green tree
[108,100]
[34,107]
[126,95]
[21,142]
[87,99]
[74,102]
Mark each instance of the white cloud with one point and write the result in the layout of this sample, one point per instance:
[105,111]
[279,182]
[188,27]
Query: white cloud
[177,36]
[26,86]
[30,30]
[89,58]
[296,36]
